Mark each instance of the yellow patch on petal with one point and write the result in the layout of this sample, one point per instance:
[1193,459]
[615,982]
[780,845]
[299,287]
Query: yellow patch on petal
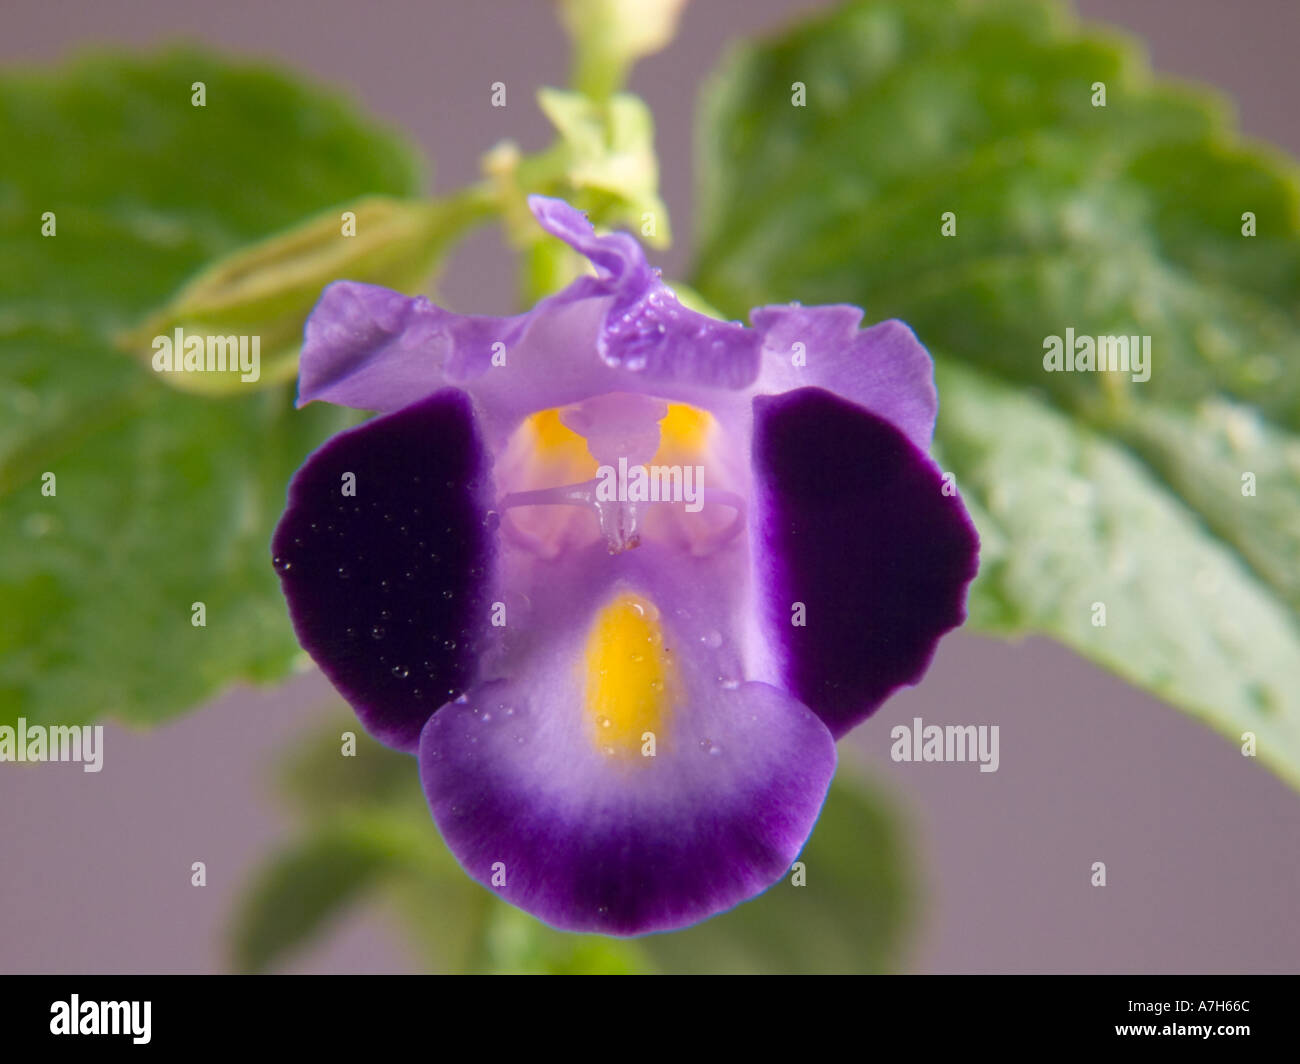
[557,445]
[683,434]
[631,677]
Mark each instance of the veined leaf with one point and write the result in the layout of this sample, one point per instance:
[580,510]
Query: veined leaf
[996,175]
[159,499]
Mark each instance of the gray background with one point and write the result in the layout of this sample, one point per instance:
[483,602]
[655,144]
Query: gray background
[1201,844]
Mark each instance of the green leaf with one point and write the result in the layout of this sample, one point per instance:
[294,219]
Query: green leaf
[850,916]
[164,499]
[296,895]
[267,290]
[321,779]
[515,943]
[365,833]
[1107,531]
[1124,220]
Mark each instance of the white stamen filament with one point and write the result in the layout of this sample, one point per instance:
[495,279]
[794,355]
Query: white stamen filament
[620,520]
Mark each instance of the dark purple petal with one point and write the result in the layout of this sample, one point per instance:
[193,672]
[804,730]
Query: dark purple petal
[852,522]
[388,589]
[883,368]
[588,843]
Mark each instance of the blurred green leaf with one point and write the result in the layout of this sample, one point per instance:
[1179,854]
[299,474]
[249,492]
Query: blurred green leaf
[163,499]
[1117,220]
[850,916]
[320,780]
[268,289]
[302,888]
[515,943]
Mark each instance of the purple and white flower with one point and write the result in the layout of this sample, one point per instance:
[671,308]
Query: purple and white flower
[624,707]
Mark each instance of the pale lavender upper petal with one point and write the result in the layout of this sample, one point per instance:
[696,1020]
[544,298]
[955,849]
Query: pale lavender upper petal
[883,368]
[371,348]
[374,349]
